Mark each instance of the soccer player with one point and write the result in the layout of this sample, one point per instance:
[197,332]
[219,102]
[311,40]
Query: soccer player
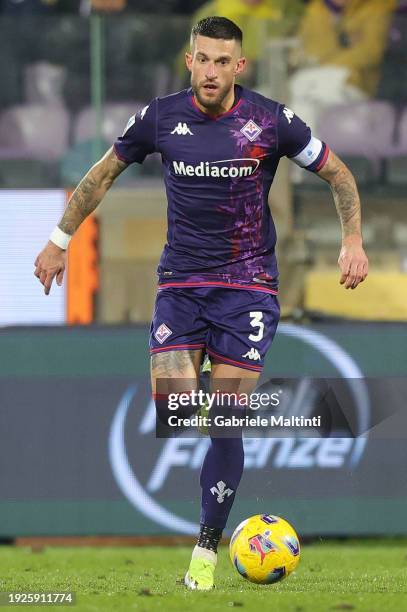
[218,281]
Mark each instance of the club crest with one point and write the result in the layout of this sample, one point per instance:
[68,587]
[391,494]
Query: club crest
[162,333]
[251,130]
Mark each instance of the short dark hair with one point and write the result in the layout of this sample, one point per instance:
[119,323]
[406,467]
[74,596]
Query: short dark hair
[217,27]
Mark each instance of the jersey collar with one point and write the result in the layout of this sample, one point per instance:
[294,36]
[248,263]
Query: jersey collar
[237,102]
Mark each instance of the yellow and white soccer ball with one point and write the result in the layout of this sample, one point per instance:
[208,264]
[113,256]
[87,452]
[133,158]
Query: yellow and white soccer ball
[264,549]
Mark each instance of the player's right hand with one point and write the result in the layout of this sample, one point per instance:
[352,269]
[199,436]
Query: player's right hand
[50,263]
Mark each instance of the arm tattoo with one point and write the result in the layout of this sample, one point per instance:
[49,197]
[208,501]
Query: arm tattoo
[90,191]
[81,204]
[345,193]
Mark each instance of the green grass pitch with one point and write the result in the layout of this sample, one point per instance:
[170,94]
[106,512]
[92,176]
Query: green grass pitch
[353,575]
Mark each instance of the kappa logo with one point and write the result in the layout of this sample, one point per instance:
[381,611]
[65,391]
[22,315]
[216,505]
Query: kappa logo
[221,491]
[289,114]
[251,130]
[182,130]
[162,333]
[253,354]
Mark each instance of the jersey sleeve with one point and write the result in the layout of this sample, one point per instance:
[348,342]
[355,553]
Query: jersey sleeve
[297,143]
[139,137]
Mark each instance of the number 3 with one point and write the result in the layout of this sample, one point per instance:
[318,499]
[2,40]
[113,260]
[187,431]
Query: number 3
[257,322]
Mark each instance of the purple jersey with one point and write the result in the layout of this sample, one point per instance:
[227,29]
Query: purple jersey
[218,173]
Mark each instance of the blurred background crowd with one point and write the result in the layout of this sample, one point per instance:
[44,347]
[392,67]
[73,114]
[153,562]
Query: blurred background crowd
[74,71]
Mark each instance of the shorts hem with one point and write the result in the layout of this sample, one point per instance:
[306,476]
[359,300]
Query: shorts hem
[240,364]
[175,347]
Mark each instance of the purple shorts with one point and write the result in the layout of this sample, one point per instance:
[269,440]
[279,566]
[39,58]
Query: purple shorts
[235,326]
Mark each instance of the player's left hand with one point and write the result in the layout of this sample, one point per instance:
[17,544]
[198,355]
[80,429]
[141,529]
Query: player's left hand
[353,262]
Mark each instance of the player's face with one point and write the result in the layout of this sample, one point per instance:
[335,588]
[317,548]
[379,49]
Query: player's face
[214,65]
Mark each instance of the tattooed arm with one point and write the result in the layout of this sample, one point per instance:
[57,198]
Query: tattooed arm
[86,197]
[352,260]
[91,191]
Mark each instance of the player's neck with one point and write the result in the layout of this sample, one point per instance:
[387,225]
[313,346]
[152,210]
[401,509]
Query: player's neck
[226,105]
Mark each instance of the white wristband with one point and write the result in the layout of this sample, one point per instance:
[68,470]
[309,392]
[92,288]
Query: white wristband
[60,238]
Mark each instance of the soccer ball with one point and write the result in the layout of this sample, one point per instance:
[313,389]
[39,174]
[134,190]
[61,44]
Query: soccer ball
[264,549]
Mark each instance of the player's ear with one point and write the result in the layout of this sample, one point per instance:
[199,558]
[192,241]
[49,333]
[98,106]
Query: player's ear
[241,65]
[188,61]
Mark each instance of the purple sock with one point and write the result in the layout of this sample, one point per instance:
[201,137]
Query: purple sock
[220,476]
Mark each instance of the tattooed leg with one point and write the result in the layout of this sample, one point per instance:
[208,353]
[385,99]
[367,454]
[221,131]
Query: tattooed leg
[175,364]
[174,372]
